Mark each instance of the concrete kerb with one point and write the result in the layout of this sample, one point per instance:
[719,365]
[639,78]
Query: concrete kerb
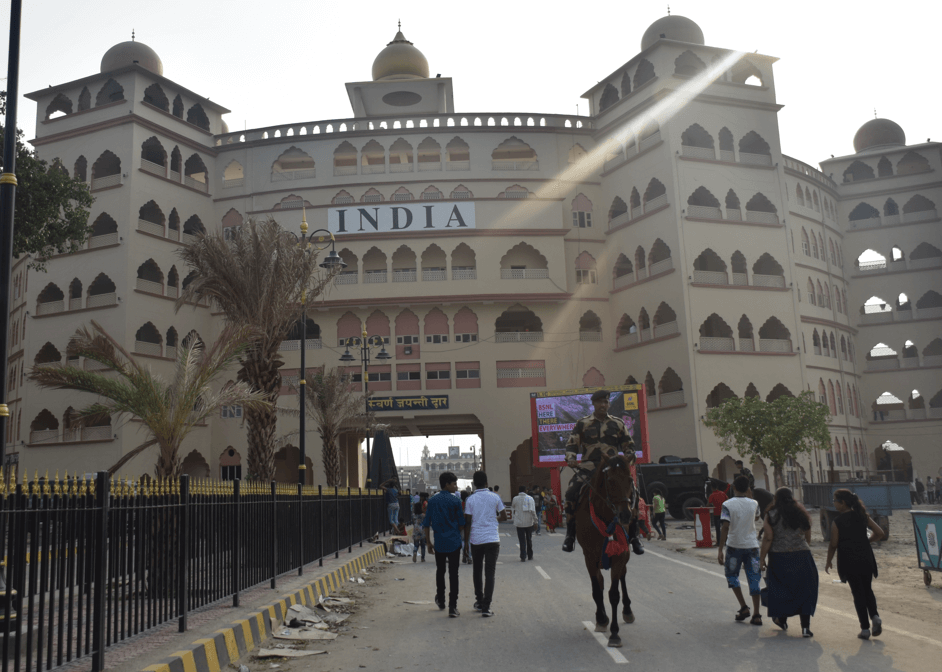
[229,644]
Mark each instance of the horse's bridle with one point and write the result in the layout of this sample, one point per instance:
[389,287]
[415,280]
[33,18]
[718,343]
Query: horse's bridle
[632,501]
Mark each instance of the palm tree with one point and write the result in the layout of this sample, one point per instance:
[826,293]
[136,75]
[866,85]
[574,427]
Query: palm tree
[331,404]
[169,410]
[257,280]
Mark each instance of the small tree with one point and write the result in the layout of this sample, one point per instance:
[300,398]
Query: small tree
[331,403]
[51,207]
[169,410]
[774,431]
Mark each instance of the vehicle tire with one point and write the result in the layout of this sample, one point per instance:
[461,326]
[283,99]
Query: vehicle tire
[884,523]
[690,502]
[677,512]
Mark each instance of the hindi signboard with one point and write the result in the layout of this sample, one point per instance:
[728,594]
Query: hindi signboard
[433,402]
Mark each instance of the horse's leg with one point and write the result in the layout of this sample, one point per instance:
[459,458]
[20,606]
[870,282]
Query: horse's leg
[626,613]
[598,586]
[614,640]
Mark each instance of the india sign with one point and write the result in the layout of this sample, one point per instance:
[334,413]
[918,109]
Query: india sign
[392,217]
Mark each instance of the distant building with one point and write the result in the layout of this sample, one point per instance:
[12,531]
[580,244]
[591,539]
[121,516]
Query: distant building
[462,465]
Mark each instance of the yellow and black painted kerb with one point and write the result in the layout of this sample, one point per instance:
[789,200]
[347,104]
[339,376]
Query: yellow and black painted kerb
[231,643]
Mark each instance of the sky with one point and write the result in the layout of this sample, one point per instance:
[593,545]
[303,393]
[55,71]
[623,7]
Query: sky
[408,449]
[287,60]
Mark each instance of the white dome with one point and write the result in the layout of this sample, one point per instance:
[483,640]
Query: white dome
[879,133]
[128,53]
[678,28]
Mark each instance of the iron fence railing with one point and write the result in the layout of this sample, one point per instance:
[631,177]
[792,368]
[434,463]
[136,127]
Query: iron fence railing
[93,561]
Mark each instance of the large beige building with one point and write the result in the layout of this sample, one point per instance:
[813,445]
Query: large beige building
[663,239]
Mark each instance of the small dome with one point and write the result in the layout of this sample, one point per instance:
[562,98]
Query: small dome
[878,133]
[127,53]
[400,60]
[678,28]
[225,126]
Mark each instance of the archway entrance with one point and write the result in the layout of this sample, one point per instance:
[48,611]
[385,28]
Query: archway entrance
[286,466]
[522,471]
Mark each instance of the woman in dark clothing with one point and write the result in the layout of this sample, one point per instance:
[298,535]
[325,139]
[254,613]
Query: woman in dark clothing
[792,576]
[855,562]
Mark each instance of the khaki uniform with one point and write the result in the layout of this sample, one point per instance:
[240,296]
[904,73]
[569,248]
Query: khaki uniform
[594,438]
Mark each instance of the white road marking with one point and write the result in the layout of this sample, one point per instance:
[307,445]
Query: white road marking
[845,614]
[542,573]
[600,638]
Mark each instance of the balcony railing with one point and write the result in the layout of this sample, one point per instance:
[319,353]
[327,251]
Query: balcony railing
[518,336]
[675,398]
[655,203]
[717,344]
[172,291]
[372,277]
[661,266]
[92,365]
[188,238]
[652,401]
[747,345]
[98,300]
[761,217]
[618,220]
[626,339]
[400,168]
[232,183]
[106,181]
[102,240]
[44,436]
[101,433]
[588,336]
[285,175]
[150,227]
[741,279]
[147,348]
[311,343]
[433,274]
[373,169]
[704,212]
[922,216]
[464,274]
[347,278]
[196,184]
[649,141]
[515,165]
[521,373]
[344,170]
[710,277]
[698,152]
[624,281]
[150,286]
[755,159]
[728,155]
[768,280]
[775,345]
[665,329]
[429,166]
[733,214]
[174,175]
[524,273]
[75,303]
[404,275]
[458,165]
[50,307]
[154,168]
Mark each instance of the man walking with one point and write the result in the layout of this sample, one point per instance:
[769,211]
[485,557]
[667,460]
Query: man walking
[741,542]
[744,471]
[483,510]
[524,511]
[444,516]
[716,499]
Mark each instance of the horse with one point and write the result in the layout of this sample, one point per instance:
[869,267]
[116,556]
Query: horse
[612,500]
[762,496]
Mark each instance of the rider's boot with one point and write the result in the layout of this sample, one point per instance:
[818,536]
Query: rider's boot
[636,546]
[570,542]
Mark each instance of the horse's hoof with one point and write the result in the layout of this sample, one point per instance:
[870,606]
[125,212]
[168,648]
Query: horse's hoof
[614,642]
[629,617]
[601,627]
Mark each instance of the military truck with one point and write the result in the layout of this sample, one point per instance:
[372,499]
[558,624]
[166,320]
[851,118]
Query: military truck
[680,481]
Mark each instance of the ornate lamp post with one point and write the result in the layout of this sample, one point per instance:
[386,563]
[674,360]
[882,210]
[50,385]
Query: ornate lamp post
[331,263]
[365,344]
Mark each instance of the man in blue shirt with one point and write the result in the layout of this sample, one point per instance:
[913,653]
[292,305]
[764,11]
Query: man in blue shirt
[445,517]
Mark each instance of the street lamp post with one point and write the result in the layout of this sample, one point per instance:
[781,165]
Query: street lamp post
[332,263]
[365,344]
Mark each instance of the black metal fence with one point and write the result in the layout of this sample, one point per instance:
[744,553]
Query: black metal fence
[91,562]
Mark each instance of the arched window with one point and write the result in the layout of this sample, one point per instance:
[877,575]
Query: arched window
[586,271]
[106,171]
[755,150]
[858,171]
[746,339]
[48,354]
[457,155]
[514,154]
[696,142]
[404,265]
[148,341]
[196,116]
[154,95]
[884,167]
[85,99]
[111,92]
[623,269]
[702,204]
[716,335]
[643,73]
[102,292]
[760,209]
[581,212]
[149,278]
[523,262]
[609,97]
[718,395]
[671,389]
[429,155]
[292,164]
[80,171]
[60,106]
[733,208]
[372,158]
[401,157]
[774,337]
[688,64]
[618,212]
[590,327]
[195,173]
[518,323]
[655,195]
[626,333]
[154,157]
[709,269]
[912,163]
[374,266]
[767,272]
[665,321]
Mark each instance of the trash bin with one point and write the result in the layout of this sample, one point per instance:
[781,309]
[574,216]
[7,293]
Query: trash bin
[927,526]
[701,516]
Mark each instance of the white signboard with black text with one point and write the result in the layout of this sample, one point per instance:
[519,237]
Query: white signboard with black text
[394,217]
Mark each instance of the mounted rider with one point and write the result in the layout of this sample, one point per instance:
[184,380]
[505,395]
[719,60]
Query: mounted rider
[595,435]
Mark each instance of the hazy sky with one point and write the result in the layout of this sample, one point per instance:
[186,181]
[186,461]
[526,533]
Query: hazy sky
[287,60]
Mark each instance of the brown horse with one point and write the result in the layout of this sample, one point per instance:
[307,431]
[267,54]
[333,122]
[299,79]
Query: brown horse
[611,494]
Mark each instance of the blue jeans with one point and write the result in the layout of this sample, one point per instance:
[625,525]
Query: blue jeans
[743,558]
[420,543]
[393,510]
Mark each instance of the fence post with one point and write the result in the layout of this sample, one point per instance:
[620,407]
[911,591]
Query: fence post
[184,544]
[237,542]
[350,519]
[360,500]
[337,520]
[99,626]
[274,533]
[300,530]
[369,513]
[320,524]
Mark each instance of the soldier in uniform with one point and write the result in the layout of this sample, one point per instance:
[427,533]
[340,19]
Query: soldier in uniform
[595,435]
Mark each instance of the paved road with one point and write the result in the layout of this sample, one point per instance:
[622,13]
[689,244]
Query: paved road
[684,622]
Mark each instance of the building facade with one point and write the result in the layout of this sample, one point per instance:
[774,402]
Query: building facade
[499,253]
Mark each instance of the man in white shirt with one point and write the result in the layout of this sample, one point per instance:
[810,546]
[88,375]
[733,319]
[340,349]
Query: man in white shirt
[741,543]
[524,511]
[483,510]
